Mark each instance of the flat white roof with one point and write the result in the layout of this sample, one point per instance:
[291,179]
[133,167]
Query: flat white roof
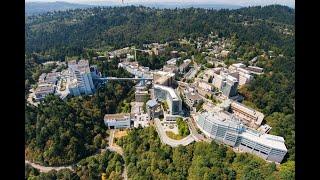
[238,65]
[222,118]
[271,141]
[170,90]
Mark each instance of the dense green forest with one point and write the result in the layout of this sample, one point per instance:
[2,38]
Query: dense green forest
[59,132]
[274,94]
[92,167]
[69,32]
[147,158]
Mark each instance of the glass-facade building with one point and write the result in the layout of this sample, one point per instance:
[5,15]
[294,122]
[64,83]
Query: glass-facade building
[230,131]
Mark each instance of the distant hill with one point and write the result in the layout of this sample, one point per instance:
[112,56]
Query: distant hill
[169,5]
[67,33]
[33,8]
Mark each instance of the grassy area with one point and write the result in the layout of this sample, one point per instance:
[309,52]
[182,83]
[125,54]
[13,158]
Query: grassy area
[172,135]
[119,133]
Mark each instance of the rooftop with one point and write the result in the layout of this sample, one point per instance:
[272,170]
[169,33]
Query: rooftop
[248,110]
[193,96]
[152,103]
[82,66]
[44,89]
[117,117]
[222,118]
[170,90]
[266,139]
[238,65]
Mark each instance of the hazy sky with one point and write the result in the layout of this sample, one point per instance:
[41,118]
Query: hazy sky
[235,2]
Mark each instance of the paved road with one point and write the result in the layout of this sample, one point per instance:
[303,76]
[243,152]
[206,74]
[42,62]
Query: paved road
[118,150]
[171,142]
[193,130]
[111,147]
[46,169]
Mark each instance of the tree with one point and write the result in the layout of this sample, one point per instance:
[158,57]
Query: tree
[287,170]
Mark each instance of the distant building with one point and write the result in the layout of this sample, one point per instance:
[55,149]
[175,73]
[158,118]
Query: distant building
[172,61]
[192,99]
[170,68]
[170,119]
[185,66]
[249,116]
[163,78]
[43,90]
[119,52]
[255,70]
[218,81]
[253,60]
[153,109]
[205,86]
[228,130]
[230,86]
[81,78]
[236,66]
[174,54]
[42,77]
[117,121]
[244,78]
[49,78]
[164,93]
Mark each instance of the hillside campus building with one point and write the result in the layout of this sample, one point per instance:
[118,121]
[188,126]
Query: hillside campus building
[249,116]
[117,121]
[228,80]
[76,80]
[80,78]
[168,94]
[227,129]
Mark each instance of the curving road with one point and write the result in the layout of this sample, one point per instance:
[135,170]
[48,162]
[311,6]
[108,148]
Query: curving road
[171,142]
[46,169]
[110,147]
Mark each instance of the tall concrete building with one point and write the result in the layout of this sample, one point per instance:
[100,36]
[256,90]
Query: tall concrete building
[81,78]
[218,81]
[168,94]
[229,87]
[227,129]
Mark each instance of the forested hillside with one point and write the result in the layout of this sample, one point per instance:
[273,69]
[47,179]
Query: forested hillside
[147,158]
[63,132]
[67,33]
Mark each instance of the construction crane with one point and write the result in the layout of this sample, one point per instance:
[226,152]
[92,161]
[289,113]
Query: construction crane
[135,52]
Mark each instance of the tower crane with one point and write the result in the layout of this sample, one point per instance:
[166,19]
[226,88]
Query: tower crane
[135,52]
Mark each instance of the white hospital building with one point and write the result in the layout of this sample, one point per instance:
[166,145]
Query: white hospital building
[225,128]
